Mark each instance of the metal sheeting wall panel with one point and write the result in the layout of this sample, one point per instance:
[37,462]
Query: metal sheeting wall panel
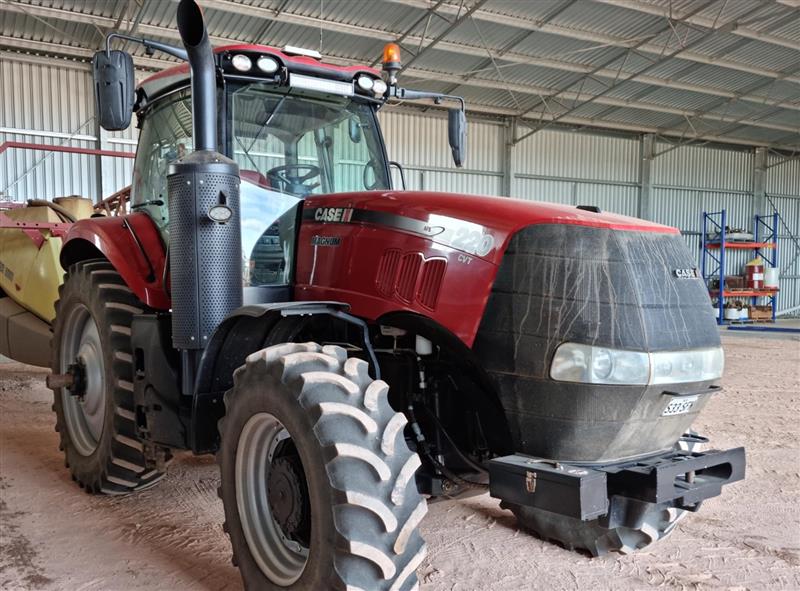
[703,167]
[51,102]
[566,154]
[118,172]
[577,168]
[783,176]
[46,104]
[551,191]
[419,143]
[788,206]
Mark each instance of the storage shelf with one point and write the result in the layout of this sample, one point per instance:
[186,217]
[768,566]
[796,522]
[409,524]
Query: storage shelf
[713,259]
[744,293]
[742,245]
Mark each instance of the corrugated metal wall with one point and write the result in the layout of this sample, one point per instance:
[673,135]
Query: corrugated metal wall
[783,193]
[51,102]
[577,169]
[419,143]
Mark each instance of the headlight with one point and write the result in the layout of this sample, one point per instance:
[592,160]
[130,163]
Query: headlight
[599,365]
[574,362]
[687,366]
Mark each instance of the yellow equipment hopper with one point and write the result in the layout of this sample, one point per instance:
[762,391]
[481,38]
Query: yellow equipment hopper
[30,273]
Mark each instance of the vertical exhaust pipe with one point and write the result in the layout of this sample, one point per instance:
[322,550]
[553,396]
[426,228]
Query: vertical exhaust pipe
[193,33]
[205,254]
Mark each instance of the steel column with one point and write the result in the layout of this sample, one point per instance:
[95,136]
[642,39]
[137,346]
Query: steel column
[647,150]
[760,182]
[509,132]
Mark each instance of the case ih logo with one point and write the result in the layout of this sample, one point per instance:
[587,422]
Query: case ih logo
[333,214]
[686,273]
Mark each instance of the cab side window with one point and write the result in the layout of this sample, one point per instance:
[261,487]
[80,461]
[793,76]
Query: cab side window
[165,136]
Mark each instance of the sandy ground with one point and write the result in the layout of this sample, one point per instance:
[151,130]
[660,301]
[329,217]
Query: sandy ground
[52,536]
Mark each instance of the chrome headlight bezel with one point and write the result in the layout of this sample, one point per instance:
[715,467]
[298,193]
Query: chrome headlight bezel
[589,364]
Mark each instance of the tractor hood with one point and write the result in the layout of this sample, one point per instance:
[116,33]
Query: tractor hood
[478,225]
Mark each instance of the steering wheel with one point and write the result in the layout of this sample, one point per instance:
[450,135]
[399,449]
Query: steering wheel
[294,176]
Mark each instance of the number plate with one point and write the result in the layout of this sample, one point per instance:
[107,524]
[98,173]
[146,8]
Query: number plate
[679,405]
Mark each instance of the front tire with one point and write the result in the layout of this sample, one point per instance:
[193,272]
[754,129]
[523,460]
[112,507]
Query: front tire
[317,479]
[98,429]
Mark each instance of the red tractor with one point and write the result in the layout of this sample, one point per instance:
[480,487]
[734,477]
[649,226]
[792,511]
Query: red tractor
[351,352]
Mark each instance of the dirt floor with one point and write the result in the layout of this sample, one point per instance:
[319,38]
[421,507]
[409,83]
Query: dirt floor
[52,536]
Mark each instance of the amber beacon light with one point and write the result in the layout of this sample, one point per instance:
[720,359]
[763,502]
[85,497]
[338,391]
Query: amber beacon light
[391,61]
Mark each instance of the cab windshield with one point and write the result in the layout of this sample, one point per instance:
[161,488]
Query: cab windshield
[290,146]
[303,145]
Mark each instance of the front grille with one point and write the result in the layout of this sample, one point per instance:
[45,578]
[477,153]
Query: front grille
[431,282]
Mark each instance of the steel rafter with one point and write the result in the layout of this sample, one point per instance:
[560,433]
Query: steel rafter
[449,29]
[683,47]
[273,15]
[652,66]
[743,30]
[595,37]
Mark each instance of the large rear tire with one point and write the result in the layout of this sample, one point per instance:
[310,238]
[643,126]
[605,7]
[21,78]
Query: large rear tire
[98,428]
[317,479]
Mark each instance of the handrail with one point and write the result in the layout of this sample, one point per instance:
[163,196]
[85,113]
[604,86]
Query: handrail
[69,149]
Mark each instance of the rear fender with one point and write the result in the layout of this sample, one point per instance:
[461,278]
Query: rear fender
[132,244]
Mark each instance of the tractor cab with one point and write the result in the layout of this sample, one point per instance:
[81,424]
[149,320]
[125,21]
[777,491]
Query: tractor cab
[295,126]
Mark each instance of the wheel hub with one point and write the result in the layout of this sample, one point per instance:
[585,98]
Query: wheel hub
[288,497]
[84,401]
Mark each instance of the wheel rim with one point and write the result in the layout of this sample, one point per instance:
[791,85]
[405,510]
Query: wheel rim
[84,415]
[282,560]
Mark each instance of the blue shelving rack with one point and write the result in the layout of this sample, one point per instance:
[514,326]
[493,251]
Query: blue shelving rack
[713,254]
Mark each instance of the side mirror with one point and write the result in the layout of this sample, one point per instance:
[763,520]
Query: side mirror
[457,135]
[114,89]
[354,129]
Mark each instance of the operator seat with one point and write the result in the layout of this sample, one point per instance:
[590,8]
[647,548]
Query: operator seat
[255,177]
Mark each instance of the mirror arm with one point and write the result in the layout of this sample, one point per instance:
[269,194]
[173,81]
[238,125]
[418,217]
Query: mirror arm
[411,95]
[178,52]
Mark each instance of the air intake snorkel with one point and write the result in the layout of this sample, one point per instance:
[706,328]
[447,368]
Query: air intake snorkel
[203,188]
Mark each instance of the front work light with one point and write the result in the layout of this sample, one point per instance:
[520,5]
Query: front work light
[241,62]
[365,82]
[268,65]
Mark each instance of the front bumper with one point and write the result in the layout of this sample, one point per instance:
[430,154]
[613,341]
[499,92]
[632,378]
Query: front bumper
[679,479]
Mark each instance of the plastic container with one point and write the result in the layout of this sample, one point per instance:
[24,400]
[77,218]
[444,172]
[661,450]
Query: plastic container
[731,313]
[771,277]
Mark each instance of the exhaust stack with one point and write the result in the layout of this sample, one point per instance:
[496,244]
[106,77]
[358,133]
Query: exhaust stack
[205,254]
[193,33]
